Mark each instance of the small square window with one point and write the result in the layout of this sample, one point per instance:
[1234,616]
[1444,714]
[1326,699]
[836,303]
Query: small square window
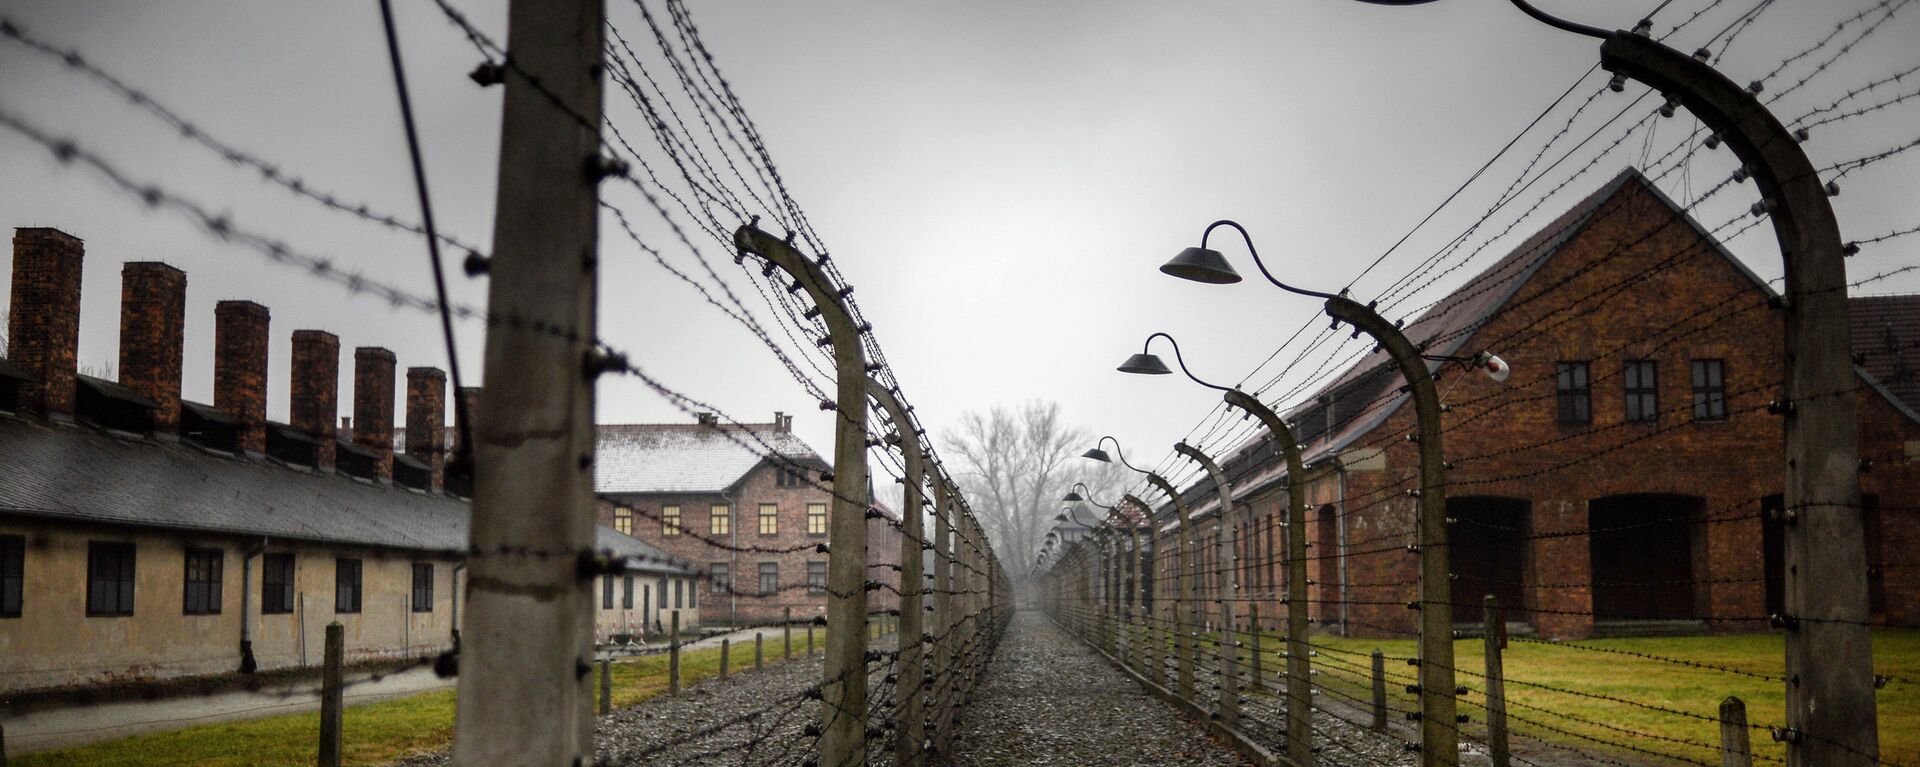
[1642,390]
[1709,390]
[276,584]
[669,520]
[769,577]
[720,577]
[769,519]
[816,577]
[722,520]
[202,593]
[109,578]
[346,585]
[1573,391]
[623,520]
[423,587]
[816,519]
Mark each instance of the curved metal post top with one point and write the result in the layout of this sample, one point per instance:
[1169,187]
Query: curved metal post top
[1117,453]
[1261,265]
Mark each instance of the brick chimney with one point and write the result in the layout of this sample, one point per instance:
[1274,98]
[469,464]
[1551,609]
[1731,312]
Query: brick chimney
[240,369]
[782,422]
[472,396]
[373,404]
[43,332]
[153,318]
[313,394]
[427,420]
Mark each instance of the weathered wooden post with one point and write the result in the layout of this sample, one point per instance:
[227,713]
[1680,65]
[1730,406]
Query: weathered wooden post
[786,631]
[1495,639]
[673,655]
[759,657]
[843,700]
[606,686]
[723,658]
[1735,750]
[1379,691]
[331,697]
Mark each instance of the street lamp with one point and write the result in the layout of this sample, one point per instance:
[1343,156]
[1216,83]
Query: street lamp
[1438,706]
[1830,705]
[1185,646]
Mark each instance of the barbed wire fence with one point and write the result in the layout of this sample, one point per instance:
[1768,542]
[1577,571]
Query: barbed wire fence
[1189,601]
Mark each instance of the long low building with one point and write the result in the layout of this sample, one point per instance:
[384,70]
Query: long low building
[143,536]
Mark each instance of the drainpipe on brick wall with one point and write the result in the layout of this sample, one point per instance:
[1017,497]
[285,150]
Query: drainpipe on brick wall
[456,604]
[1340,524]
[247,663]
[733,560]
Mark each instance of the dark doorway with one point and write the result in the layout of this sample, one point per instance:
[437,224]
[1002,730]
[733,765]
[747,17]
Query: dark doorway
[1488,550]
[1642,548]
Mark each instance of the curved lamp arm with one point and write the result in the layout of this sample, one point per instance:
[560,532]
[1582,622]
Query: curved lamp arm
[1256,258]
[1559,23]
[1147,348]
[1087,495]
[1117,454]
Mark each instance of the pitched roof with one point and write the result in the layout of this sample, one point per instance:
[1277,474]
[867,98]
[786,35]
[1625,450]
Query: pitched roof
[689,457]
[76,474]
[1365,395]
[1885,333]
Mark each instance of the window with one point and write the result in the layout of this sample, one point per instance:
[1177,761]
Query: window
[623,520]
[423,587]
[678,586]
[693,594]
[346,585]
[787,476]
[606,592]
[1709,390]
[769,577]
[626,592]
[669,520]
[1575,392]
[816,519]
[1643,398]
[109,578]
[276,584]
[201,595]
[722,523]
[646,601]
[13,574]
[816,577]
[720,577]
[769,519]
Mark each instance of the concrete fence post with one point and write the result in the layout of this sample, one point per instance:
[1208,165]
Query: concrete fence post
[1379,692]
[1259,681]
[786,631]
[606,686]
[758,655]
[331,697]
[723,657]
[1495,639]
[673,655]
[1735,751]
[809,640]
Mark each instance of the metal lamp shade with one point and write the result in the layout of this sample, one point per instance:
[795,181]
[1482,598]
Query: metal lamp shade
[1201,265]
[1098,455]
[1144,364]
[1072,496]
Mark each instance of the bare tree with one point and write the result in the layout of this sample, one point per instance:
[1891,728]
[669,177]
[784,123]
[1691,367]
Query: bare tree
[1014,464]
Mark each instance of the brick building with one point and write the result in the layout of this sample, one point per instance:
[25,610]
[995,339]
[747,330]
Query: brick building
[143,535]
[1618,481]
[746,503]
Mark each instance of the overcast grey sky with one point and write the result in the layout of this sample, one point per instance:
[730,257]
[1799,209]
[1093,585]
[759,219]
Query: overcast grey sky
[998,179]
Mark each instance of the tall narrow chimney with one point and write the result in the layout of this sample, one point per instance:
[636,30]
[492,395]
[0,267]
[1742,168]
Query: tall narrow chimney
[43,332]
[240,369]
[471,396]
[373,404]
[153,318]
[314,391]
[427,420]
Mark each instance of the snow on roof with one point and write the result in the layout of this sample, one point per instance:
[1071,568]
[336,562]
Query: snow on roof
[690,457]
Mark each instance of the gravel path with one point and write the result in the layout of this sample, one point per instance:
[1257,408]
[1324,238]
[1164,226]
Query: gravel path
[1048,700]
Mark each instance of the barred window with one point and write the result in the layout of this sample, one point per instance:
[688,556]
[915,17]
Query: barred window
[346,585]
[201,596]
[769,577]
[720,577]
[816,519]
[816,577]
[626,592]
[669,520]
[606,592]
[769,519]
[423,587]
[1643,397]
[1709,390]
[13,574]
[679,586]
[722,523]
[276,584]
[623,520]
[1574,392]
